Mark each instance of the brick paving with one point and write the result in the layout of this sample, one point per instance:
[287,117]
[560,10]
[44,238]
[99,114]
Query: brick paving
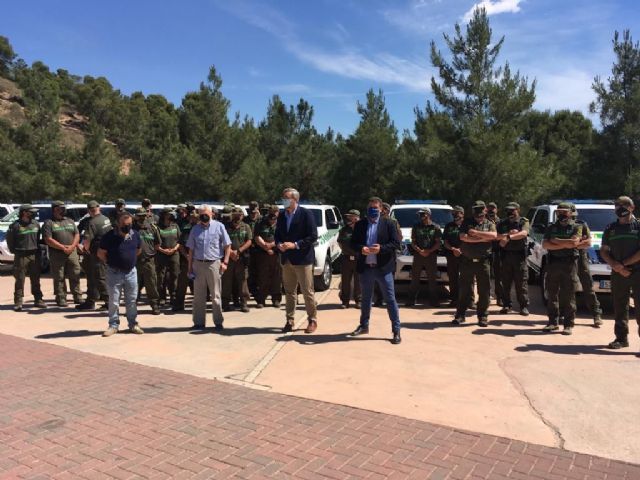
[67,414]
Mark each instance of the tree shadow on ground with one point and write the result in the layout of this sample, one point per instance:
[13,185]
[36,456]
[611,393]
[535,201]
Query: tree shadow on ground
[574,350]
[328,338]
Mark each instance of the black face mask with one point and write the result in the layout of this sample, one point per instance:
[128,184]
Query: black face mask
[204,218]
[512,215]
[622,212]
[491,214]
[125,228]
[564,218]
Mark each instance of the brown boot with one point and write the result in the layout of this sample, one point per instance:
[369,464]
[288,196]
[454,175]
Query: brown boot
[311,327]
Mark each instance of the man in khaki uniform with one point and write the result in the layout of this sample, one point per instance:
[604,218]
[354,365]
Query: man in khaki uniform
[235,278]
[426,238]
[348,271]
[267,258]
[62,237]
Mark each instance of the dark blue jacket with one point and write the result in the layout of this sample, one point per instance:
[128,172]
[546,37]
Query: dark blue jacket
[387,238]
[303,232]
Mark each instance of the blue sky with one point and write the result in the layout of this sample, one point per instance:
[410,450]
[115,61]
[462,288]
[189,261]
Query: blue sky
[328,51]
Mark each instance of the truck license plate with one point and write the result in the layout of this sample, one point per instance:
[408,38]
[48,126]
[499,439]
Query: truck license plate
[605,284]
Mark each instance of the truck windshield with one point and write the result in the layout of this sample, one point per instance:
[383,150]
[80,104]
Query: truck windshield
[597,218]
[408,217]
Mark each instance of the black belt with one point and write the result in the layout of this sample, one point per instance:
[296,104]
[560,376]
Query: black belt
[26,252]
[561,259]
[372,265]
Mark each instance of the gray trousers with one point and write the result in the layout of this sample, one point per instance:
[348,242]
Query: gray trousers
[207,275]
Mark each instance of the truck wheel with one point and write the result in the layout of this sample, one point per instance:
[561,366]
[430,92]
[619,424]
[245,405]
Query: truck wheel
[543,286]
[323,282]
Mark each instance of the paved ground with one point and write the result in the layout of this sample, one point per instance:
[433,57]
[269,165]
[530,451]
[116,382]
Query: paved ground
[509,380]
[67,414]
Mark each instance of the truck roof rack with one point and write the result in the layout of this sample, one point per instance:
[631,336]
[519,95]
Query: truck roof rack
[583,201]
[417,202]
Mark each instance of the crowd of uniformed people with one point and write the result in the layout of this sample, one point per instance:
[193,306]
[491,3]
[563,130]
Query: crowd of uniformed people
[478,248]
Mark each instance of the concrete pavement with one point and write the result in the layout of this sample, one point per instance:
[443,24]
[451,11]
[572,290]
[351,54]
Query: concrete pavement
[509,379]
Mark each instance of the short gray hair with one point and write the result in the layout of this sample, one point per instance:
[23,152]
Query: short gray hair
[293,191]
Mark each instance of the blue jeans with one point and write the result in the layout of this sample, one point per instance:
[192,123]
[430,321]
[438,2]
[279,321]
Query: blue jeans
[385,280]
[116,282]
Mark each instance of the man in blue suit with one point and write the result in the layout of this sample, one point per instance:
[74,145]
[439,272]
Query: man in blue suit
[295,236]
[376,241]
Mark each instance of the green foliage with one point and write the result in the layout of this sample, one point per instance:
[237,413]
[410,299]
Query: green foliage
[481,138]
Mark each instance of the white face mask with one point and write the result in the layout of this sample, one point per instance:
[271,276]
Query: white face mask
[286,203]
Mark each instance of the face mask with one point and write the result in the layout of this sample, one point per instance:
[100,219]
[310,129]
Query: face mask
[204,218]
[286,203]
[563,217]
[622,212]
[491,214]
[512,214]
[125,228]
[373,213]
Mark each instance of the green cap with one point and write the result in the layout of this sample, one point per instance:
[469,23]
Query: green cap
[458,208]
[624,200]
[479,204]
[492,204]
[182,205]
[236,210]
[512,206]
[57,203]
[424,211]
[120,201]
[92,204]
[27,207]
[167,210]
[140,211]
[564,206]
[354,212]
[227,209]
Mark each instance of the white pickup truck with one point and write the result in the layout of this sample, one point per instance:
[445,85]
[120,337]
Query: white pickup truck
[406,213]
[597,214]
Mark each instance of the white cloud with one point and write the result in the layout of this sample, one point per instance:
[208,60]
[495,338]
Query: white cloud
[348,62]
[570,90]
[493,7]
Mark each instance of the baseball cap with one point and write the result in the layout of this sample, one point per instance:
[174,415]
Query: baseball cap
[492,204]
[478,205]
[564,206]
[512,206]
[458,208]
[57,203]
[236,210]
[140,211]
[424,211]
[354,212]
[120,201]
[28,208]
[92,204]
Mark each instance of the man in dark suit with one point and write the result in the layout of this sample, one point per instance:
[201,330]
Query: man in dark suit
[295,235]
[376,241]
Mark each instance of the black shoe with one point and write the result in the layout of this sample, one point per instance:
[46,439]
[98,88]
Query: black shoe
[103,308]
[17,308]
[452,304]
[86,306]
[410,303]
[396,340]
[155,311]
[287,328]
[524,311]
[458,320]
[177,308]
[276,304]
[227,308]
[358,305]
[244,309]
[483,322]
[567,331]
[39,304]
[618,344]
[504,310]
[597,322]
[360,331]
[77,301]
[551,327]
[218,327]
[344,305]
[197,327]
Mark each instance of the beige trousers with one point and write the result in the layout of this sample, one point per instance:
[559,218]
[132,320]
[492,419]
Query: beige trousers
[207,275]
[292,276]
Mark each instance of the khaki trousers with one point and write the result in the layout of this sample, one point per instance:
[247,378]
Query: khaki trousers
[207,275]
[292,276]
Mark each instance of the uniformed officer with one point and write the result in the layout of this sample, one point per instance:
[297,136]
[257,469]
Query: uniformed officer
[61,235]
[267,257]
[96,274]
[496,260]
[146,204]
[621,250]
[168,258]
[584,274]
[348,263]
[561,240]
[23,240]
[234,280]
[452,243]
[512,235]
[253,219]
[146,263]
[426,238]
[113,216]
[183,278]
[476,234]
